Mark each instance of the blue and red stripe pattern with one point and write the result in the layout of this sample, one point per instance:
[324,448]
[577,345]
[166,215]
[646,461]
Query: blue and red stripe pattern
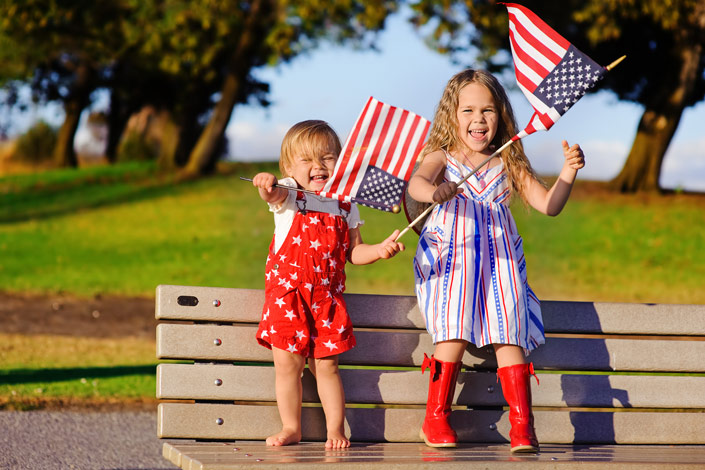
[470,270]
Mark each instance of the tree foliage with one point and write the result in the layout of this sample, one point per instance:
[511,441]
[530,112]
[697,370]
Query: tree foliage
[663,41]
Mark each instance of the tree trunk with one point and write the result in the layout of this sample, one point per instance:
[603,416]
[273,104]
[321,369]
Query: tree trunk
[203,156]
[658,124]
[64,153]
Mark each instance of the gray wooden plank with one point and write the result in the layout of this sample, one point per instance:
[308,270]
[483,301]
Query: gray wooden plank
[245,305]
[200,421]
[391,456]
[474,389]
[407,347]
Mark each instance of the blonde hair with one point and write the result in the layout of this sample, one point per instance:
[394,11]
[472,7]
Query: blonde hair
[313,138]
[444,132]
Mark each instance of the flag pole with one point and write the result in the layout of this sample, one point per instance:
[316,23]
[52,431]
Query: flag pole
[395,208]
[464,179]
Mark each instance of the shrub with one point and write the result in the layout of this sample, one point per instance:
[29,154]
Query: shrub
[135,147]
[37,144]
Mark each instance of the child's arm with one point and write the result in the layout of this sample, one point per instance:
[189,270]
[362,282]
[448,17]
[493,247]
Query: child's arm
[551,201]
[422,185]
[265,182]
[362,253]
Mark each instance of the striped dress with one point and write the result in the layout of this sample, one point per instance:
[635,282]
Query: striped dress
[469,266]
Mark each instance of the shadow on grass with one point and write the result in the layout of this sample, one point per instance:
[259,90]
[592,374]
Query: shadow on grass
[25,376]
[40,196]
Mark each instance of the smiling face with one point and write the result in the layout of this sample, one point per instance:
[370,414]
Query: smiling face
[312,172]
[477,117]
[309,152]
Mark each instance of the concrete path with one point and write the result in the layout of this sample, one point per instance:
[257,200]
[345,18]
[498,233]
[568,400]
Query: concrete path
[51,440]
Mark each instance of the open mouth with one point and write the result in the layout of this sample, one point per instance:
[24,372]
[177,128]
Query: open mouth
[478,134]
[319,178]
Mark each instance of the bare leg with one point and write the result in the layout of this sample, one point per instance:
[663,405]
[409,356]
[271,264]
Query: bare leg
[330,391]
[450,351]
[509,355]
[288,368]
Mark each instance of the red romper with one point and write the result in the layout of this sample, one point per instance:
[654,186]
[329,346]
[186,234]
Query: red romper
[304,311]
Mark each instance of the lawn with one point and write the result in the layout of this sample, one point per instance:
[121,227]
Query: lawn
[124,230]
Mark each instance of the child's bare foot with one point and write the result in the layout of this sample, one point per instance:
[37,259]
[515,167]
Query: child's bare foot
[284,437]
[337,440]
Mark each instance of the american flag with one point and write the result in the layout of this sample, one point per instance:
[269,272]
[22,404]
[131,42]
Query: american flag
[551,72]
[378,156]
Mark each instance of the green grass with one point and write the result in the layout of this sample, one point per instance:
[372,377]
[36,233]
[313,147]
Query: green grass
[126,229]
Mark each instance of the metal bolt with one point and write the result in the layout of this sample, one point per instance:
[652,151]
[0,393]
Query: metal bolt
[490,389]
[218,382]
[217,341]
[219,421]
[216,303]
[493,427]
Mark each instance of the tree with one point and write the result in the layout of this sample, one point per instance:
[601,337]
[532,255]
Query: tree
[266,32]
[61,51]
[664,42]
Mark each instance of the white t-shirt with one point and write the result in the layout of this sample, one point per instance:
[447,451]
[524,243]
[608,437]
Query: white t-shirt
[284,211]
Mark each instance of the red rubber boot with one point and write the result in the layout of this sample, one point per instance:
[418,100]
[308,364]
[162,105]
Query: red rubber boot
[517,391]
[436,431]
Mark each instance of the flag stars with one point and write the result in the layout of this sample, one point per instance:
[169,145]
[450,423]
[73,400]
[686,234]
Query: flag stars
[326,323]
[300,334]
[280,302]
[315,244]
[292,348]
[330,345]
[296,240]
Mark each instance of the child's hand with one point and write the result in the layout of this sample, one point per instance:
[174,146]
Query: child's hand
[389,248]
[265,181]
[446,191]
[574,156]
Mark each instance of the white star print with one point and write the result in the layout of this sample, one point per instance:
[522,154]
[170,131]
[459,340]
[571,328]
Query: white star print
[292,348]
[329,344]
[308,286]
[315,306]
[294,276]
[325,282]
[300,334]
[326,323]
[296,240]
[272,330]
[341,329]
[290,315]
[266,315]
[280,302]
[282,257]
[264,333]
[315,244]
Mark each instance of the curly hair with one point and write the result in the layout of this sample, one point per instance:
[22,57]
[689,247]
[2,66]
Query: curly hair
[444,132]
[312,138]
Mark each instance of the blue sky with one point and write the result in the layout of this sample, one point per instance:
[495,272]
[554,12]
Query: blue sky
[333,83]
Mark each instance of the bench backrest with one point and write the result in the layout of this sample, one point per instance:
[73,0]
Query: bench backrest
[609,373]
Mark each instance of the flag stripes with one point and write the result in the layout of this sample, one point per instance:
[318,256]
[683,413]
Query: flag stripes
[384,137]
[550,71]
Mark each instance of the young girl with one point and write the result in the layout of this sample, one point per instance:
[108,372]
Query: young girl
[469,266]
[304,315]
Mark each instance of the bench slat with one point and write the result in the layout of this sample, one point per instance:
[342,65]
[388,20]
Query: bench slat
[199,421]
[256,383]
[394,311]
[406,348]
[385,456]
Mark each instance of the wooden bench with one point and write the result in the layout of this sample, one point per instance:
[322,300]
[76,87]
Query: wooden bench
[613,378]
